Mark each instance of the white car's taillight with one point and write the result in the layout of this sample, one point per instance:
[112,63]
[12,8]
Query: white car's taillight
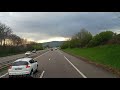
[27,66]
[10,67]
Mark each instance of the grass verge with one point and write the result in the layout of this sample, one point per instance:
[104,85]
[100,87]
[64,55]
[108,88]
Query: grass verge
[107,56]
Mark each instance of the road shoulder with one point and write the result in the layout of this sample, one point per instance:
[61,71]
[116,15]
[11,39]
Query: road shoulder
[107,68]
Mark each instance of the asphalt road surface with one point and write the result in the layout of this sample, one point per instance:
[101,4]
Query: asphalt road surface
[58,64]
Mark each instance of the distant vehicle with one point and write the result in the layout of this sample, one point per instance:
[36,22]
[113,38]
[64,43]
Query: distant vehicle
[55,48]
[23,67]
[28,53]
[34,51]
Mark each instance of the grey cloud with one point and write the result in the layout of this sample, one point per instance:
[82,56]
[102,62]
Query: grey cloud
[61,24]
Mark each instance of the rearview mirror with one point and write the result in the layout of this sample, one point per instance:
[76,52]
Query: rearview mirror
[35,61]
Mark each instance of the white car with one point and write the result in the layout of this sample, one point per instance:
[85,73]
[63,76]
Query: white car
[28,53]
[23,67]
[34,51]
[55,48]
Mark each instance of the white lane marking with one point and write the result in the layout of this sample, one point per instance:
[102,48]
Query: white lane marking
[76,68]
[41,55]
[3,75]
[49,58]
[42,74]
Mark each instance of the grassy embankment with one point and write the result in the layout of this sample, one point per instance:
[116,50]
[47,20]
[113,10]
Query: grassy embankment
[108,55]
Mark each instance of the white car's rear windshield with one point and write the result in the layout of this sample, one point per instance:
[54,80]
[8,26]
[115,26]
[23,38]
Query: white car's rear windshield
[20,63]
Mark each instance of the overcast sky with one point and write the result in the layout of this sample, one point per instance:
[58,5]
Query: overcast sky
[58,26]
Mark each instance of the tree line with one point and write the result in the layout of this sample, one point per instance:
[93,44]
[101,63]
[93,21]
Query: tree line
[84,39]
[12,43]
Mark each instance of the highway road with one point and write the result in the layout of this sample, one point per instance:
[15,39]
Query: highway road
[8,58]
[58,64]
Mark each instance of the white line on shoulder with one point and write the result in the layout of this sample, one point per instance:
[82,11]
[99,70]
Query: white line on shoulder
[76,68]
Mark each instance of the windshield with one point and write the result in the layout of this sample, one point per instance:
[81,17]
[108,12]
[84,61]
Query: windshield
[20,63]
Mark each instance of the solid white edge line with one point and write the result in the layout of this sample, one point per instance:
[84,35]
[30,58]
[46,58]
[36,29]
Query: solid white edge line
[76,68]
[3,75]
[42,74]
[41,55]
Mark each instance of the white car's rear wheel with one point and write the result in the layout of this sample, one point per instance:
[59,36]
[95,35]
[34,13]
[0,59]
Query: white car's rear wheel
[31,74]
[37,68]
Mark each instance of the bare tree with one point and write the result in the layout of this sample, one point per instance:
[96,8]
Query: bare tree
[1,33]
[15,39]
[5,31]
